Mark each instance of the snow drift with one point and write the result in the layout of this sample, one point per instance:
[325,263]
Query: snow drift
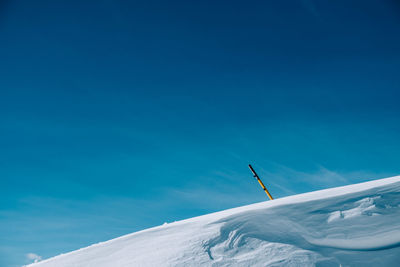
[356,225]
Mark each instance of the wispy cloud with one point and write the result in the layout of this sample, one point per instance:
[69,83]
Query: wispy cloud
[224,189]
[33,257]
[291,181]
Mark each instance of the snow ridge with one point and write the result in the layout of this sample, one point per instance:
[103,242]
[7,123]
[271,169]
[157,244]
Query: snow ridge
[356,225]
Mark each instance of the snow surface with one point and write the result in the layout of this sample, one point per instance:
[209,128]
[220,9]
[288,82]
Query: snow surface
[356,225]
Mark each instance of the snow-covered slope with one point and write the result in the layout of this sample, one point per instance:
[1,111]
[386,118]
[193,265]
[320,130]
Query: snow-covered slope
[356,225]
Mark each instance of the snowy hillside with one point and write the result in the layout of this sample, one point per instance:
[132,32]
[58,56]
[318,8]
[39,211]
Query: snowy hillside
[356,225]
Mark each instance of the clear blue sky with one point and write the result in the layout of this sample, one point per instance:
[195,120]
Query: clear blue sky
[117,116]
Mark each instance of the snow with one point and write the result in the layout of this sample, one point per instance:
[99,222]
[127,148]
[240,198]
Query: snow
[356,225]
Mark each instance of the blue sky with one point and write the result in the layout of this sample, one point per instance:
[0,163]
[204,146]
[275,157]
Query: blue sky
[117,116]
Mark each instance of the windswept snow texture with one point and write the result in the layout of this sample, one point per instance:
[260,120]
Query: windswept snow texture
[356,225]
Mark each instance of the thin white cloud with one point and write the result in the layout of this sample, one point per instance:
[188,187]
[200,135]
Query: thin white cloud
[33,257]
